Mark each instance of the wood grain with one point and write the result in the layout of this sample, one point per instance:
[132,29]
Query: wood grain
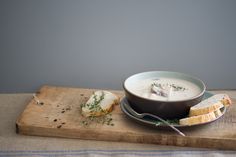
[60,116]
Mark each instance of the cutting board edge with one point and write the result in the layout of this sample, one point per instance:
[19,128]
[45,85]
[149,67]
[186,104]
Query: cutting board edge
[174,140]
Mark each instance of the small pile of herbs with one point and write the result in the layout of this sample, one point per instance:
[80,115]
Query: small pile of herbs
[106,119]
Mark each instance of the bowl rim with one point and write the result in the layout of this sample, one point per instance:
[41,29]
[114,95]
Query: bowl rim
[171,101]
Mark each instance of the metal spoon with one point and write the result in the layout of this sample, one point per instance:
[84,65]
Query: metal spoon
[142,115]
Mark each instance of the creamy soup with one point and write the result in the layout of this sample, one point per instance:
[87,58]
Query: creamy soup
[165,89]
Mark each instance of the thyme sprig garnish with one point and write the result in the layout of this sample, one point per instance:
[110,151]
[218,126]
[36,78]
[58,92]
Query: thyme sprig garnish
[94,107]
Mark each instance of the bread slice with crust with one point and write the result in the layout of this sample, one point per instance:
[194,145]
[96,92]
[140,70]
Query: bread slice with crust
[99,103]
[207,110]
[224,99]
[203,108]
[211,104]
[200,118]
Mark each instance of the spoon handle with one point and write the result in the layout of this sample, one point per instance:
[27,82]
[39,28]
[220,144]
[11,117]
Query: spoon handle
[141,115]
[165,122]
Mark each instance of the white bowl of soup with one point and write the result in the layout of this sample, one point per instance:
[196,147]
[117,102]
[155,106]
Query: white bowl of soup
[163,93]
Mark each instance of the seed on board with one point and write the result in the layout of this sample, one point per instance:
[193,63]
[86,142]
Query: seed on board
[55,120]
[59,126]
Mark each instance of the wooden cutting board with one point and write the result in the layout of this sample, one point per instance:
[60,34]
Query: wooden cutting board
[60,116]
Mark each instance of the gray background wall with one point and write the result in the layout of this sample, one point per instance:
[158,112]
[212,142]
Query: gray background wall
[98,43]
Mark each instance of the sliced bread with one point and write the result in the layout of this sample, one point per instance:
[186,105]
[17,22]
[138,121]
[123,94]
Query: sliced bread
[99,103]
[224,98]
[200,118]
[211,104]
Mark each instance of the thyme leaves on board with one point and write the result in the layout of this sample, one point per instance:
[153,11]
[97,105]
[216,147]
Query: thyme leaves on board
[104,120]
